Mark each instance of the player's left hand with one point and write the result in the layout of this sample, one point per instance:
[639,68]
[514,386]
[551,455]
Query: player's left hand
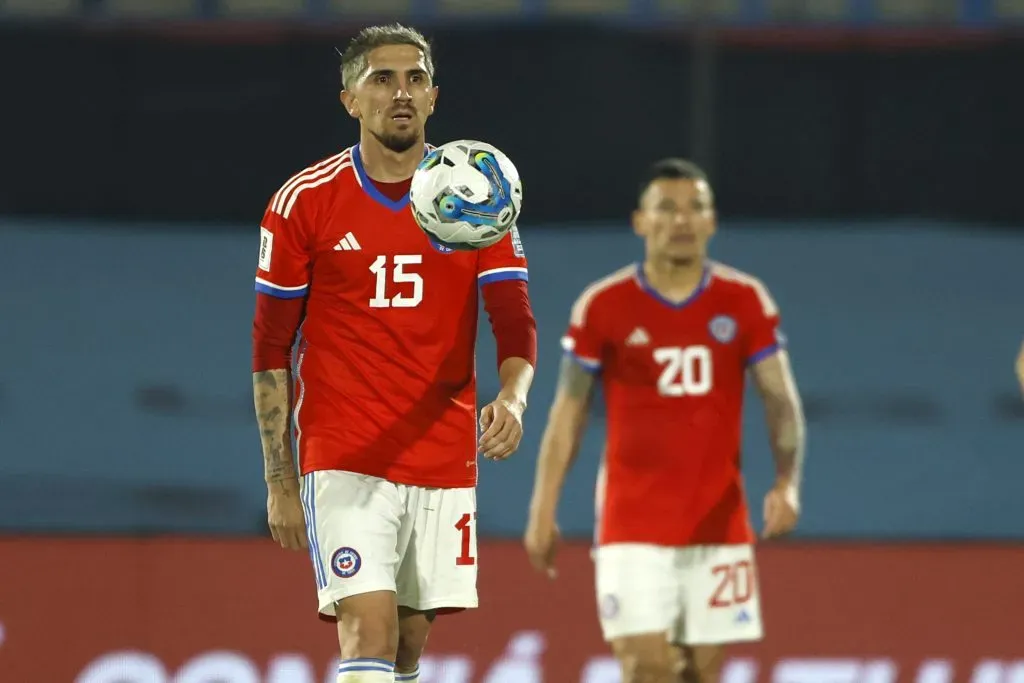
[781,510]
[502,424]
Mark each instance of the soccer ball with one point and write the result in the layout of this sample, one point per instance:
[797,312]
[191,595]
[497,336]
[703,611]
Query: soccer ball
[466,195]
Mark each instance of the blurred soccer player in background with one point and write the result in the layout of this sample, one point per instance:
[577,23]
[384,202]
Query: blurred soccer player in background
[385,390]
[671,340]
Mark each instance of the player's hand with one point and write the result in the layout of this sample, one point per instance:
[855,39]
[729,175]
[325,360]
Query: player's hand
[781,510]
[1020,368]
[541,542]
[284,514]
[502,425]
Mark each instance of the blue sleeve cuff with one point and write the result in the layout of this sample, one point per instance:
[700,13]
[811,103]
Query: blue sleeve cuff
[766,352]
[591,365]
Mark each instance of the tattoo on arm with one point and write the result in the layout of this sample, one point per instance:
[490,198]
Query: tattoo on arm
[783,415]
[561,441]
[272,397]
[574,380]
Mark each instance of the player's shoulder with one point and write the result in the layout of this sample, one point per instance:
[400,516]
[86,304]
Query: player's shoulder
[731,281]
[328,175]
[601,291]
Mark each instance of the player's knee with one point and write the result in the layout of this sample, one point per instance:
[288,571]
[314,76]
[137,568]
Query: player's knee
[648,668]
[367,636]
[367,630]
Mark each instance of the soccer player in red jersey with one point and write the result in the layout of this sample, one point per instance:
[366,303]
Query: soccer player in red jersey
[671,340]
[385,412]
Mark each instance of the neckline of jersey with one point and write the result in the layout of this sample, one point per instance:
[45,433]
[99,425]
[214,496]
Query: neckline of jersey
[370,188]
[646,288]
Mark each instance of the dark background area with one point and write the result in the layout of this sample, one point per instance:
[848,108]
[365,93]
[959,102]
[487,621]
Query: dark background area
[158,123]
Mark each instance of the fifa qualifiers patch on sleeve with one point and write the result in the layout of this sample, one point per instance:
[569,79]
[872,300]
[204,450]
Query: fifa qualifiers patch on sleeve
[517,243]
[266,248]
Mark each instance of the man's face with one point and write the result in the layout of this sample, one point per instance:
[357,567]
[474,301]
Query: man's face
[676,219]
[394,96]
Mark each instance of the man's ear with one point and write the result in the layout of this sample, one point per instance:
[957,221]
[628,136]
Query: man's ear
[351,104]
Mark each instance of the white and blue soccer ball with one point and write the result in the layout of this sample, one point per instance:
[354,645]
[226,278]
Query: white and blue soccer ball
[466,195]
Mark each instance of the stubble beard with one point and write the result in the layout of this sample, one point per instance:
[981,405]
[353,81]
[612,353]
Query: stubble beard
[398,142]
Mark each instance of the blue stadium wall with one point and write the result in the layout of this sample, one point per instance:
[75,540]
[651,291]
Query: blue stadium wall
[125,399]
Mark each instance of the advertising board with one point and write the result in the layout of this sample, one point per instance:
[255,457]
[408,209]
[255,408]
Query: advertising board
[227,611]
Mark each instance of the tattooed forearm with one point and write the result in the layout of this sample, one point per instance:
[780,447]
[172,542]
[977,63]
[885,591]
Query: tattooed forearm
[783,415]
[786,433]
[563,434]
[273,411]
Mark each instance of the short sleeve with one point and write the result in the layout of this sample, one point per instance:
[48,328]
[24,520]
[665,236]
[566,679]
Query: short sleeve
[283,265]
[503,260]
[583,341]
[763,335]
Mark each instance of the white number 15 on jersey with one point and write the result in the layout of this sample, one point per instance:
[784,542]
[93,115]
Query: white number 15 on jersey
[685,371]
[399,276]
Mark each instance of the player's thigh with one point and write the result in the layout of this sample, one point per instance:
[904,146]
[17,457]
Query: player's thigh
[721,596]
[638,589]
[647,658]
[438,569]
[352,522]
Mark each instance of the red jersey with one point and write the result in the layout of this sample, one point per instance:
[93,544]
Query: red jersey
[385,372]
[673,380]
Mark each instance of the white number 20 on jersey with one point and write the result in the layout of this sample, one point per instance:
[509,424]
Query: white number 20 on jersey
[398,276]
[684,371]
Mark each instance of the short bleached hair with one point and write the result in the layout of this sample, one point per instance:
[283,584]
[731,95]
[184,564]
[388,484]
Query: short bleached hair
[354,59]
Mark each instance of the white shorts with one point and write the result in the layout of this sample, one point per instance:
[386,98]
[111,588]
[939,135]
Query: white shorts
[368,534]
[697,595]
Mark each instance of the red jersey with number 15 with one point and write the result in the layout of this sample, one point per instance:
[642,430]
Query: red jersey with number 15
[385,373]
[673,381]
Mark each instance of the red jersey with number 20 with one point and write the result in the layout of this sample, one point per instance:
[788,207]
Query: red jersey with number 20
[673,381]
[385,372]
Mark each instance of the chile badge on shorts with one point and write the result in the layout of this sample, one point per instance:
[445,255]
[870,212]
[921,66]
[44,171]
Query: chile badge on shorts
[345,562]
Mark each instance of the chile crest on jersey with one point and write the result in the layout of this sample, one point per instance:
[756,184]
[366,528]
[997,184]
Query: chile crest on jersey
[723,328]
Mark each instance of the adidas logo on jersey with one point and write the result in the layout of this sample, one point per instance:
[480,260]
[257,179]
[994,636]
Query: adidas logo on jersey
[347,243]
[638,337]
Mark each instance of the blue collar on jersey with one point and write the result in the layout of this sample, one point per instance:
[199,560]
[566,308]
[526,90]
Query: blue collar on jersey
[368,186]
[641,278]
